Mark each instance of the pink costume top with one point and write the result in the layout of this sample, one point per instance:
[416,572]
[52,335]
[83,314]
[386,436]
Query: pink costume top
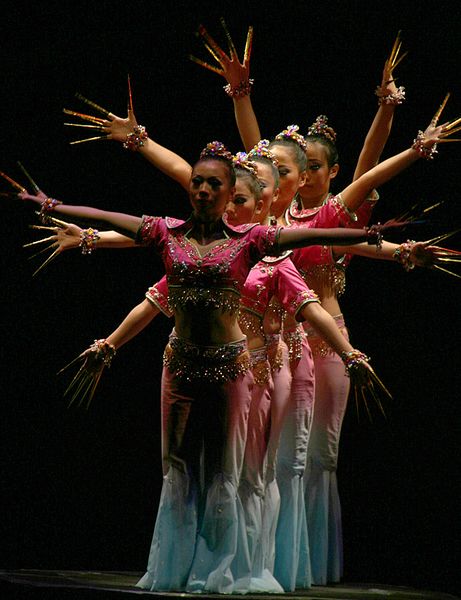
[158,296]
[273,290]
[214,280]
[318,262]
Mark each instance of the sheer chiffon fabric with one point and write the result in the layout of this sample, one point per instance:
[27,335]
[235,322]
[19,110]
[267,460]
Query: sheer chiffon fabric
[292,561]
[199,542]
[323,506]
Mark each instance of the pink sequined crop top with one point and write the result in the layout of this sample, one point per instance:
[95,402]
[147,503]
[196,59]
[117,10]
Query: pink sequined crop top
[214,279]
[157,295]
[318,262]
[273,288]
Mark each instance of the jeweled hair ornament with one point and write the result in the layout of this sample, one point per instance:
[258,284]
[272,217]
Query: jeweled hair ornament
[240,161]
[321,128]
[216,149]
[261,150]
[291,133]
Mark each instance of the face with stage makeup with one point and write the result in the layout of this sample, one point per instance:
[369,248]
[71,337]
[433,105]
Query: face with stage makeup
[291,167]
[211,188]
[245,206]
[319,174]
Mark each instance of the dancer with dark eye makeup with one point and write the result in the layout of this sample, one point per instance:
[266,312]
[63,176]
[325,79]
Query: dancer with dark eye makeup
[206,383]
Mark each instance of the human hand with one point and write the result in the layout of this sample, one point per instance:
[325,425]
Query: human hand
[65,236]
[93,361]
[234,71]
[110,125]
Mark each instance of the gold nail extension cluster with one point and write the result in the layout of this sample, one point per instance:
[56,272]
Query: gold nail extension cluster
[97,123]
[217,52]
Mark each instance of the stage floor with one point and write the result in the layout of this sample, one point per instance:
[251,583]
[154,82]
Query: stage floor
[39,584]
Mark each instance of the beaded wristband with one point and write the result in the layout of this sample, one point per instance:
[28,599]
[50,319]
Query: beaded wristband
[88,239]
[402,254]
[423,151]
[240,90]
[353,359]
[396,97]
[135,139]
[375,236]
[104,350]
[46,207]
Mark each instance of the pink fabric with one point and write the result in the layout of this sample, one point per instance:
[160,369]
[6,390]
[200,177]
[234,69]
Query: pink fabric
[158,296]
[276,277]
[224,266]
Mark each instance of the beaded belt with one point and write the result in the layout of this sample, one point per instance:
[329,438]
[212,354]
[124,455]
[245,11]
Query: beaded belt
[260,366]
[294,340]
[214,364]
[318,346]
[275,351]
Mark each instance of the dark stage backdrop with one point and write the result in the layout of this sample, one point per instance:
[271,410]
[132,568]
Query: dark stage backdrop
[80,488]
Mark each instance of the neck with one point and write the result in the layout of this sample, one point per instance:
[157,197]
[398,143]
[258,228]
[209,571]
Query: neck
[313,202]
[205,231]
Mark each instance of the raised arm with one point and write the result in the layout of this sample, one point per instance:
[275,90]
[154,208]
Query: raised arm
[134,137]
[167,161]
[423,146]
[239,83]
[389,96]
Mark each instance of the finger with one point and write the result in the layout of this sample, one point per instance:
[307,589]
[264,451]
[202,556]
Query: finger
[248,46]
[32,182]
[97,107]
[230,43]
[91,139]
[47,261]
[436,117]
[41,241]
[13,183]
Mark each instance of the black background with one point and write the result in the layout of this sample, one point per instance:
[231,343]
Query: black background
[80,489]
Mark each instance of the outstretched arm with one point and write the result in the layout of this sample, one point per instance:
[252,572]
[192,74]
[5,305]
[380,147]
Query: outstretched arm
[290,238]
[359,190]
[136,320]
[123,223]
[325,326]
[409,254]
[100,354]
[133,136]
[167,161]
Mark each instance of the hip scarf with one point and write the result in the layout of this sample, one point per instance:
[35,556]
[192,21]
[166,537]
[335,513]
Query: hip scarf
[214,364]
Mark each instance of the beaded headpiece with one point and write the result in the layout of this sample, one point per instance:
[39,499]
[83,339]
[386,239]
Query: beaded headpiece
[321,128]
[261,150]
[291,133]
[240,161]
[214,150]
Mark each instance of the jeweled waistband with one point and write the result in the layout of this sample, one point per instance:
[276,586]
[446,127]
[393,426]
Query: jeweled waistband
[215,364]
[294,340]
[275,346]
[318,345]
[260,366]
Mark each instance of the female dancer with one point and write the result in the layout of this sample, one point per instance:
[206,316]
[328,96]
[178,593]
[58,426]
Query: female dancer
[324,274]
[206,380]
